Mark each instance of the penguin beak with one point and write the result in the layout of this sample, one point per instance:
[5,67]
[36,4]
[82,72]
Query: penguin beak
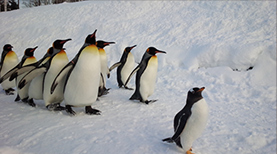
[93,34]
[108,43]
[34,49]
[201,89]
[64,41]
[158,51]
[133,47]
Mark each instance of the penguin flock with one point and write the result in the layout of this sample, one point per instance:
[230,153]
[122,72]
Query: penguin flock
[80,81]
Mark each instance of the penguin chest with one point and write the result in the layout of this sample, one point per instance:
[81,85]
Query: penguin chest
[127,67]
[57,63]
[148,78]
[103,61]
[82,85]
[23,93]
[195,124]
[36,87]
[9,62]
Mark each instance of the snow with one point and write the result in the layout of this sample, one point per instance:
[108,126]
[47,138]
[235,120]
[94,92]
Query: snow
[205,42]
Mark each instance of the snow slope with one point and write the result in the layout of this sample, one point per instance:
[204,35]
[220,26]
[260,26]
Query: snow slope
[204,40]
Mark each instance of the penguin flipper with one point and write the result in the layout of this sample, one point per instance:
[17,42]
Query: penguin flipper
[21,71]
[133,72]
[8,74]
[181,125]
[30,76]
[114,66]
[61,75]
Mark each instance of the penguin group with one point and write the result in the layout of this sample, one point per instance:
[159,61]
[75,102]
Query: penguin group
[80,81]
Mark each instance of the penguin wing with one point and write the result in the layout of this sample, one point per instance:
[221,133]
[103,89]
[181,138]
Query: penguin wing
[132,73]
[63,73]
[114,66]
[9,73]
[30,76]
[21,71]
[181,125]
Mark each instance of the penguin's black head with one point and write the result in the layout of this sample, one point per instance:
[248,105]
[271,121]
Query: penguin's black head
[30,51]
[58,44]
[7,47]
[195,94]
[102,44]
[50,51]
[91,38]
[128,49]
[153,51]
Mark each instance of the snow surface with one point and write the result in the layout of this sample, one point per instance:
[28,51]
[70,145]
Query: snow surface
[204,40]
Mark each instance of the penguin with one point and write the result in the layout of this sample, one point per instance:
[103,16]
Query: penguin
[28,58]
[104,67]
[124,67]
[48,72]
[36,85]
[190,122]
[146,76]
[79,89]
[9,60]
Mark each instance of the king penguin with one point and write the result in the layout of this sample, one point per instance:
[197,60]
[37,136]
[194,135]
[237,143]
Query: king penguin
[9,60]
[56,63]
[28,58]
[190,122]
[124,67]
[82,78]
[104,66]
[146,76]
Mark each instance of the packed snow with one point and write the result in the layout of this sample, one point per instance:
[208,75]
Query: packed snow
[211,44]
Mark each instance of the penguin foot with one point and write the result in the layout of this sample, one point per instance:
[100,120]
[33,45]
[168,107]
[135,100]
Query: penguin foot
[103,91]
[31,103]
[149,101]
[90,111]
[9,91]
[189,152]
[69,110]
[17,98]
[128,88]
[25,100]
[55,107]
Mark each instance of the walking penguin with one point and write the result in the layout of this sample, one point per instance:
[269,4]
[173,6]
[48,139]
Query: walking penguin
[190,122]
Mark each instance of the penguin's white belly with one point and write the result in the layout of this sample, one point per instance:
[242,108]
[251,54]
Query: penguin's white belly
[148,78]
[82,85]
[36,88]
[9,62]
[104,67]
[23,93]
[195,124]
[127,68]
[58,62]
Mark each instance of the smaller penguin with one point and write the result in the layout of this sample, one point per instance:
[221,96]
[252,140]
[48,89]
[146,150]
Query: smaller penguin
[146,76]
[124,67]
[104,68]
[190,122]
[9,60]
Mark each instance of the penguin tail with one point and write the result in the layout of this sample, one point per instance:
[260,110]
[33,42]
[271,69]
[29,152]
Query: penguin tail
[169,140]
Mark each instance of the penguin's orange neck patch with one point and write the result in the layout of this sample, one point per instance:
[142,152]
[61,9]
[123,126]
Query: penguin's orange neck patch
[62,52]
[10,54]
